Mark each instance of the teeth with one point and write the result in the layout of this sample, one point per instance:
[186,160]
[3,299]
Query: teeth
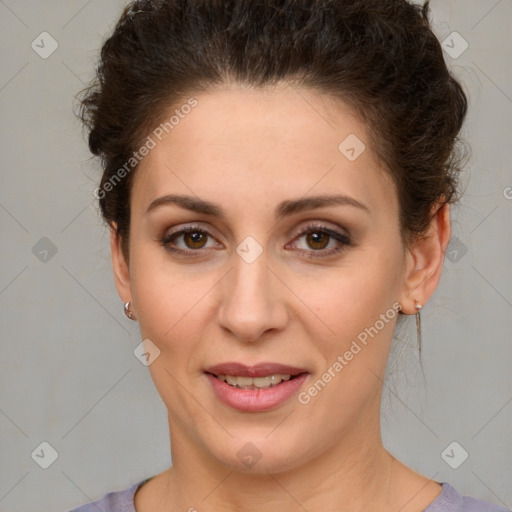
[256,383]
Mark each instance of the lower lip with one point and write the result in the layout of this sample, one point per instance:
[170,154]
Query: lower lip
[256,400]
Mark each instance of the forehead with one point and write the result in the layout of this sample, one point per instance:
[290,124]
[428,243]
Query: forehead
[241,144]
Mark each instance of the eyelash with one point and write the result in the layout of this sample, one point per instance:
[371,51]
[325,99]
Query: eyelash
[344,240]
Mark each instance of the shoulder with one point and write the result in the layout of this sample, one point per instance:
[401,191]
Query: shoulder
[115,501]
[450,500]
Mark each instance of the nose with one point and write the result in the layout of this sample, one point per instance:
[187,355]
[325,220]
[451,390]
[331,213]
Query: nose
[253,300]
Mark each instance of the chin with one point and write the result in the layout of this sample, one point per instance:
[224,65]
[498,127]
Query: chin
[254,454]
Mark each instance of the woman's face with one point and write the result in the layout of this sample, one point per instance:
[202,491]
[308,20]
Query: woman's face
[246,285]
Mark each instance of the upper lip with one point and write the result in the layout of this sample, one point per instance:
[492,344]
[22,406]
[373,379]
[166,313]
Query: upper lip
[257,370]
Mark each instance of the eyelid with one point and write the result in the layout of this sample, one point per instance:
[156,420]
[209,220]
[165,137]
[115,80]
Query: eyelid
[320,225]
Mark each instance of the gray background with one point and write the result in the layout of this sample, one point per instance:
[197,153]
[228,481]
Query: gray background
[68,373]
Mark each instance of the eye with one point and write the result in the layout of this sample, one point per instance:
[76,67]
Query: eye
[321,241]
[318,239]
[193,238]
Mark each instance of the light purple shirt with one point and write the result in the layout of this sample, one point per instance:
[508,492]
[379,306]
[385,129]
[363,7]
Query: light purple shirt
[448,501]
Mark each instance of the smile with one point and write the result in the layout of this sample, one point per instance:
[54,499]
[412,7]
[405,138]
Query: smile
[255,387]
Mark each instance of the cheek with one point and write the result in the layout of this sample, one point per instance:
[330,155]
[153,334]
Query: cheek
[358,304]
[171,314]
[166,307]
[352,297]
[170,302]
[361,308]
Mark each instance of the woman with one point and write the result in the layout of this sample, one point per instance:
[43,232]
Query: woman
[277,180]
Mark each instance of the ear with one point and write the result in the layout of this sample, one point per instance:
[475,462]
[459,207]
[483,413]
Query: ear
[120,266]
[424,260]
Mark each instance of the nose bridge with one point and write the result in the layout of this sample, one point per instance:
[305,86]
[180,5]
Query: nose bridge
[251,302]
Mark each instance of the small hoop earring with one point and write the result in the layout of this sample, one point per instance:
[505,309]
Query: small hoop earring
[128,312]
[418,307]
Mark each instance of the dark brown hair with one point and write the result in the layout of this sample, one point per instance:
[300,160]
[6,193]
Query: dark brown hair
[379,56]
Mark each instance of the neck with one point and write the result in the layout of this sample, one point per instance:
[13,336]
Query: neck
[354,475]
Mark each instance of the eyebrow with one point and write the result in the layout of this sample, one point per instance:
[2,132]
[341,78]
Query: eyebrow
[283,209]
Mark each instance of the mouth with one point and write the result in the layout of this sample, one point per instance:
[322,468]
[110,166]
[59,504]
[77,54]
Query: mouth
[257,388]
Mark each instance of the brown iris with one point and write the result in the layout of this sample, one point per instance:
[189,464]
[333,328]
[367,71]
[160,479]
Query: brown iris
[197,239]
[317,237]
